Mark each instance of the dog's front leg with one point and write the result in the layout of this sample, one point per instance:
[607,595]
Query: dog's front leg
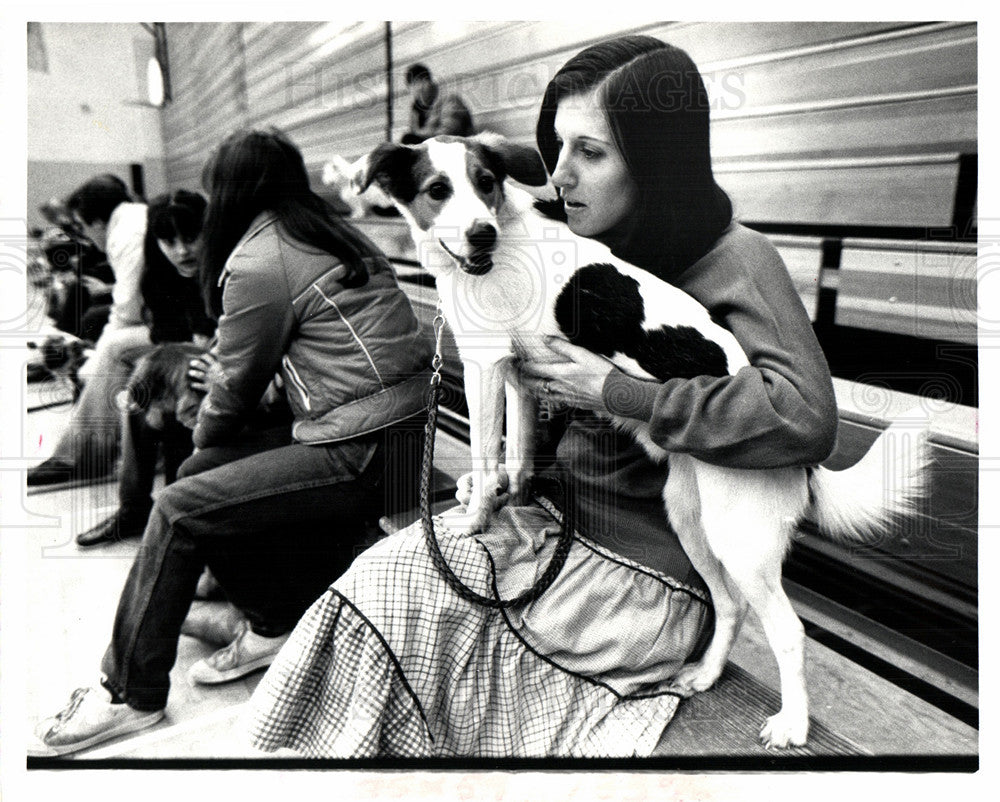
[484,393]
[522,412]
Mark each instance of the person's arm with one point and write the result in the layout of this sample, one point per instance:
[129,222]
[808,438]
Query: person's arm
[253,332]
[125,255]
[414,119]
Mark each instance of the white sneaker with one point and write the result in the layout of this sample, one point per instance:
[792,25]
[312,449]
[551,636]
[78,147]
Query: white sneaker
[89,719]
[246,654]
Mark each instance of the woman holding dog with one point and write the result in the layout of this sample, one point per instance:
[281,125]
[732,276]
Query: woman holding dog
[391,661]
[276,514]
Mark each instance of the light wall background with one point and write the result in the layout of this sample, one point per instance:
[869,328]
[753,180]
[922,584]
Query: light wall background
[87,111]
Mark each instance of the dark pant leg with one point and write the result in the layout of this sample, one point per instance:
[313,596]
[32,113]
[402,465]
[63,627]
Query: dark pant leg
[140,447]
[275,527]
[280,553]
[252,441]
[176,445]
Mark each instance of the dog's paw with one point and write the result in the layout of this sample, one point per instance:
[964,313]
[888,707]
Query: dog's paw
[694,678]
[463,489]
[494,493]
[785,729]
[468,521]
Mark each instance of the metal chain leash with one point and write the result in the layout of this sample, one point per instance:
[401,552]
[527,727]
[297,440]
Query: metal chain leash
[565,534]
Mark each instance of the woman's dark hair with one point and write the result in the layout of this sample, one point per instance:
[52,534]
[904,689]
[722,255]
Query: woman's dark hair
[657,108]
[262,171]
[173,303]
[98,198]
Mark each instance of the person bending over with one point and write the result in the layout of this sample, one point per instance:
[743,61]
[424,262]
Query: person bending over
[431,112]
[87,450]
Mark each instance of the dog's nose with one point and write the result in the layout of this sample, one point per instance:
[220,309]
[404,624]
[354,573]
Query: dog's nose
[481,236]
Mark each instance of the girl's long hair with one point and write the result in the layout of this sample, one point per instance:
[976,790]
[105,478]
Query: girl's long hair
[262,171]
[656,106]
[173,302]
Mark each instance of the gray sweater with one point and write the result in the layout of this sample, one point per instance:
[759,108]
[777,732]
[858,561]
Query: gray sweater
[780,411]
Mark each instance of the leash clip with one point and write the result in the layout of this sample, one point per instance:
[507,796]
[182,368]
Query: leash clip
[437,362]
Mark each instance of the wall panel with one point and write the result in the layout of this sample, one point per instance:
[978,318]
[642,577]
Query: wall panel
[206,66]
[322,83]
[862,93]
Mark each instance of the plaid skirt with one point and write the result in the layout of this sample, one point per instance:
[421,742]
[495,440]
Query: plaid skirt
[390,661]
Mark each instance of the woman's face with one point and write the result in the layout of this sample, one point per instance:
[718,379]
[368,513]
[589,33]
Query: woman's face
[590,174]
[181,254]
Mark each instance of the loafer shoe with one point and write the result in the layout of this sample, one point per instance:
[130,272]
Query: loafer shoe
[87,720]
[56,471]
[109,530]
[247,653]
[51,472]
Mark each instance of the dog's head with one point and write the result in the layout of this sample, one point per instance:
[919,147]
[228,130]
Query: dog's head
[451,190]
[159,387]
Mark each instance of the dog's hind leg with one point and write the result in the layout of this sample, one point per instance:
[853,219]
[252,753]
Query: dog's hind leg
[761,584]
[682,500]
[751,551]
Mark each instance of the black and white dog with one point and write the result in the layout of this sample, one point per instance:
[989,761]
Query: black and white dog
[508,276]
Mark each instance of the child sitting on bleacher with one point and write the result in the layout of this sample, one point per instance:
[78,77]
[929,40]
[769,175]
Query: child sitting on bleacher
[175,313]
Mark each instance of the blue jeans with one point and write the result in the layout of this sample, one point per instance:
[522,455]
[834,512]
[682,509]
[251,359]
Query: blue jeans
[90,442]
[141,445]
[275,521]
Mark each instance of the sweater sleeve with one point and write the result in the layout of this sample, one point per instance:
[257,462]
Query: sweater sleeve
[252,335]
[781,410]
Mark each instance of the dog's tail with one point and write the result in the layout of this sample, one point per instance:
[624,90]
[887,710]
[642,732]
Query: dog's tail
[863,501]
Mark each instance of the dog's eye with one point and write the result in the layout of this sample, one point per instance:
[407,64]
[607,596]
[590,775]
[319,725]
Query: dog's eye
[486,183]
[439,191]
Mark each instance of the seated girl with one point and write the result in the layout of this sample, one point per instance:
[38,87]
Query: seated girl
[174,311]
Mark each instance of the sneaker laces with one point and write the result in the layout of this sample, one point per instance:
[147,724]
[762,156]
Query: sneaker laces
[228,656]
[67,712]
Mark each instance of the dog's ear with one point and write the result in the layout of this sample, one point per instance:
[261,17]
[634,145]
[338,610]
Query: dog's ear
[391,167]
[520,162]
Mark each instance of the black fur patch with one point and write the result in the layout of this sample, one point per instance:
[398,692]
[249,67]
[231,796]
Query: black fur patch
[480,155]
[552,209]
[602,310]
[393,167]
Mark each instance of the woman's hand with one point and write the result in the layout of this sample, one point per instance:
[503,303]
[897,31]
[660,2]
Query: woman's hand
[567,374]
[203,372]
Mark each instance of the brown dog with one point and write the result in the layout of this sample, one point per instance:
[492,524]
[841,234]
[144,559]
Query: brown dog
[159,385]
